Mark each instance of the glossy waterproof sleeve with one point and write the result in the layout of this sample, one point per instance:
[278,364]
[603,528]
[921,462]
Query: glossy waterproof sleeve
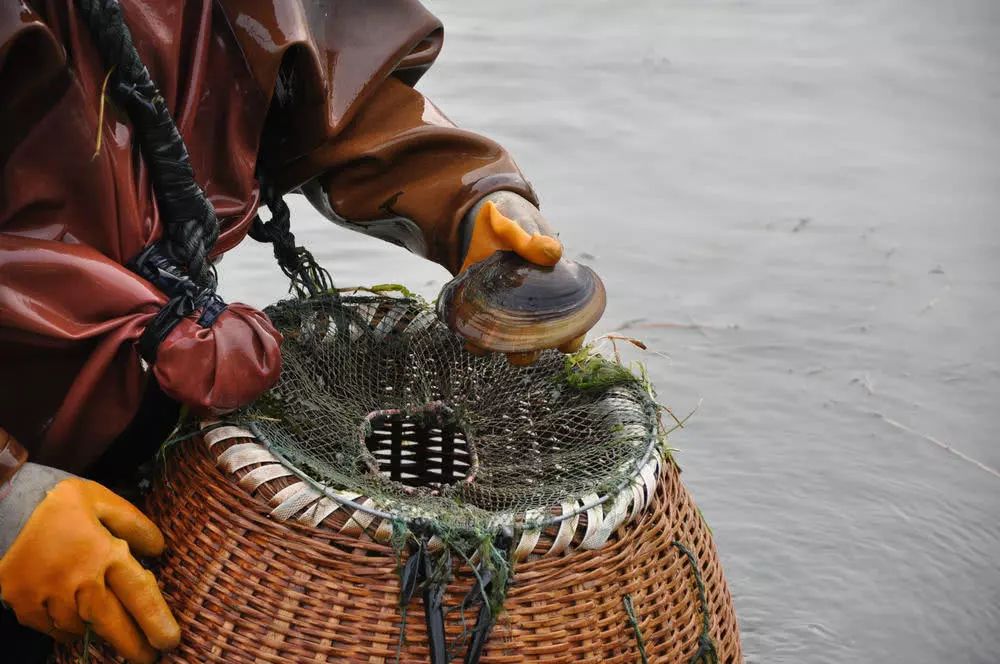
[68,306]
[403,171]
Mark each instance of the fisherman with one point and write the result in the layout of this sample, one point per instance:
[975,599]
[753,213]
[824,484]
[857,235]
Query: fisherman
[101,342]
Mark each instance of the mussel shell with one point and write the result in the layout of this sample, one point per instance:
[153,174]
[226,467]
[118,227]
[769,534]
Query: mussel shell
[509,305]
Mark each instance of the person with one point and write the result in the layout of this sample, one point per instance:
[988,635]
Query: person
[97,353]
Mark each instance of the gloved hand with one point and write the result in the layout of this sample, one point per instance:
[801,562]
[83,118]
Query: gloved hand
[66,561]
[505,221]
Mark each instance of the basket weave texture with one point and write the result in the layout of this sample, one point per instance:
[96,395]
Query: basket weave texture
[246,588]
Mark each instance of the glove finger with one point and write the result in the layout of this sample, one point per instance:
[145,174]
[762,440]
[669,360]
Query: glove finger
[109,620]
[535,248]
[135,587]
[66,617]
[38,619]
[127,522]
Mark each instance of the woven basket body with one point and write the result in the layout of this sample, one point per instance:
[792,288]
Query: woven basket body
[248,588]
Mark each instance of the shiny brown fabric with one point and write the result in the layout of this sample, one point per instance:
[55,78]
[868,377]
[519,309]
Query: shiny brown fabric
[397,159]
[70,375]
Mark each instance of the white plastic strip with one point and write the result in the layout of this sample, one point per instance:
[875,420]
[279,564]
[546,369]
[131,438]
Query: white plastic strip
[648,475]
[258,476]
[285,494]
[295,503]
[359,520]
[612,520]
[243,455]
[529,536]
[638,499]
[435,544]
[323,508]
[526,544]
[595,519]
[619,511]
[226,433]
[567,528]
[384,532]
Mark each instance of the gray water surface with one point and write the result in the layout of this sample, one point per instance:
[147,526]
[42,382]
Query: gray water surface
[798,203]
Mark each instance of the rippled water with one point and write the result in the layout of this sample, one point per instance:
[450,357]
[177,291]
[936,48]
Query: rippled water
[799,203]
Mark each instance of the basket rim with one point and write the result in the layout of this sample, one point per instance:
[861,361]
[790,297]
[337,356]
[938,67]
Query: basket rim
[312,502]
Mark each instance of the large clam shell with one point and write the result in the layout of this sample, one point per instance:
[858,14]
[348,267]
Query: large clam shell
[509,305]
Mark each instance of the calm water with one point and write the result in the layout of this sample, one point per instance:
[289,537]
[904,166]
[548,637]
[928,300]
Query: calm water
[799,204]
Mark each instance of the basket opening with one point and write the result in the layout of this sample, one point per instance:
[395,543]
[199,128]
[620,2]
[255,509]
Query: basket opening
[427,449]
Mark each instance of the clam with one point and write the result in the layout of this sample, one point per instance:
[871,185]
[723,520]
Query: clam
[509,305]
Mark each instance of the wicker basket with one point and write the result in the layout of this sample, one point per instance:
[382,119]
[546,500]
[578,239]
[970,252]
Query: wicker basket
[258,570]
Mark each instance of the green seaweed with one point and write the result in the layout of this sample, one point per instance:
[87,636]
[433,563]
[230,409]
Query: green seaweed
[88,634]
[465,544]
[633,620]
[706,653]
[270,405]
[587,370]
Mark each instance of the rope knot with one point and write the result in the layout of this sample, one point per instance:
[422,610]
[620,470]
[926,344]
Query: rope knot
[186,297]
[306,275]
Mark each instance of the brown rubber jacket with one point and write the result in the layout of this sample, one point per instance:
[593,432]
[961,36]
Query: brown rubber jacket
[344,116]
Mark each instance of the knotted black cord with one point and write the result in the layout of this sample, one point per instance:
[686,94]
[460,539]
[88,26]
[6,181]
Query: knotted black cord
[306,275]
[186,297]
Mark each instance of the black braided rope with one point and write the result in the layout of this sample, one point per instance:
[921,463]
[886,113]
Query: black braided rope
[178,264]
[190,225]
[306,276]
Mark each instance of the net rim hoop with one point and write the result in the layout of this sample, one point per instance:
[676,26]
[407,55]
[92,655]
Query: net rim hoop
[633,490]
[636,491]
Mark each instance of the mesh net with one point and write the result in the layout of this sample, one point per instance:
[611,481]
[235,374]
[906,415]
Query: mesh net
[379,398]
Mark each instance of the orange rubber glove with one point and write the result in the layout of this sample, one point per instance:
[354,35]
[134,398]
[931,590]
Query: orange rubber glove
[71,565]
[493,231]
[505,221]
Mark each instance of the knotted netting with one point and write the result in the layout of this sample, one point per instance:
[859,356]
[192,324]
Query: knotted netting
[379,398]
